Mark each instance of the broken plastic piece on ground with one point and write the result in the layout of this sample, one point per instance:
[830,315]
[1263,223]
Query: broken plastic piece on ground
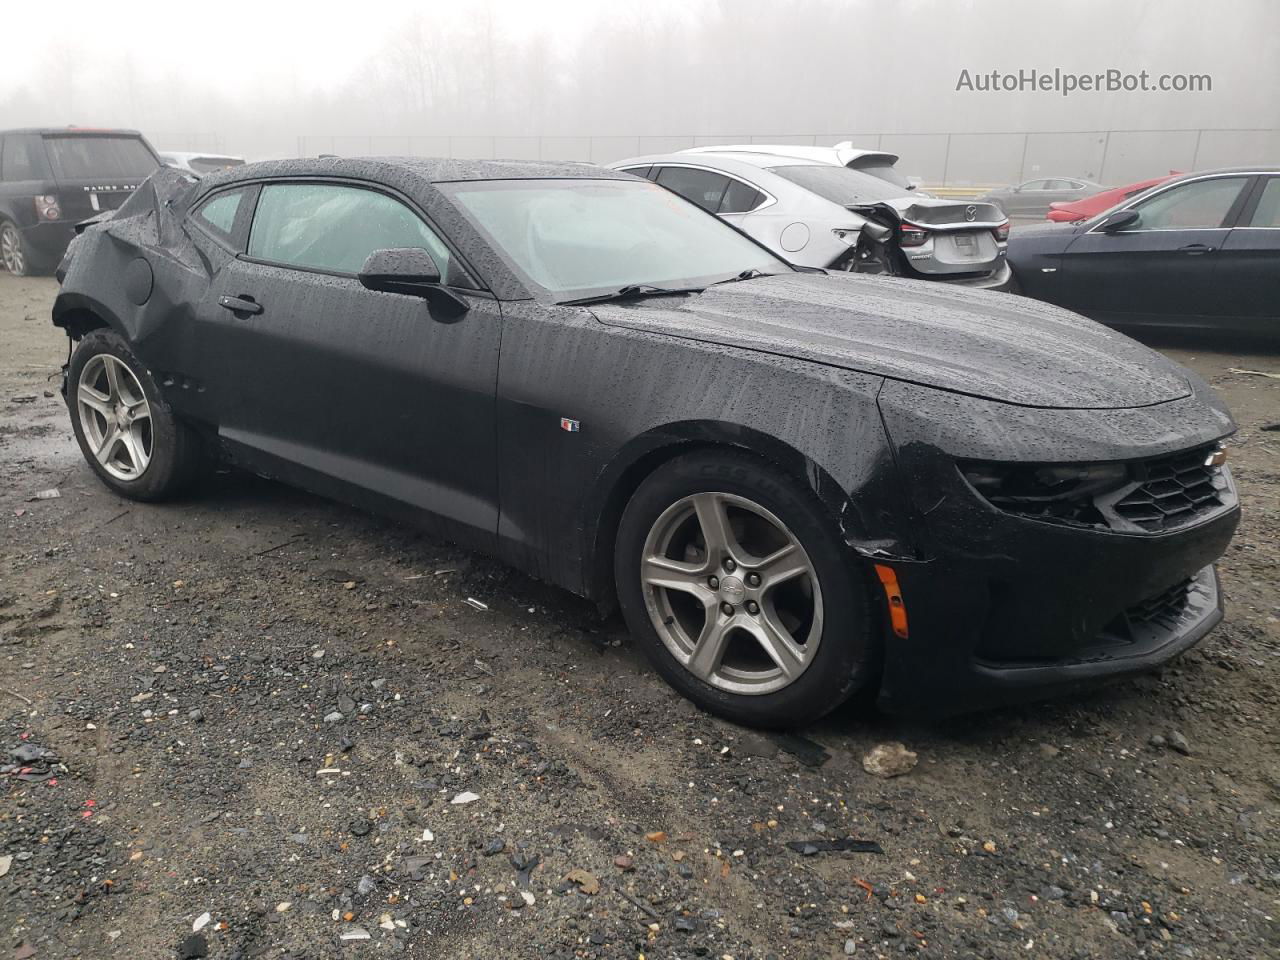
[808,848]
[472,601]
[803,749]
[53,493]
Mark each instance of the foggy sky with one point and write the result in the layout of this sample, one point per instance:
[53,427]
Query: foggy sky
[253,77]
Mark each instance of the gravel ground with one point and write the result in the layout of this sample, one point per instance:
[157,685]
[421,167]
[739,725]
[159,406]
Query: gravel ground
[283,722]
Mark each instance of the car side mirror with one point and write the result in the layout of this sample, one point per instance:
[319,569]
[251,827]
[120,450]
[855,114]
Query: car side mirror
[1119,220]
[413,272]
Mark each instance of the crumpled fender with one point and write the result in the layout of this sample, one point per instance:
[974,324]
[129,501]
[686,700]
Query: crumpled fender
[120,267]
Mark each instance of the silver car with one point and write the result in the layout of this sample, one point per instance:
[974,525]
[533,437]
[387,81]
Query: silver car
[1032,198]
[824,214]
[199,164]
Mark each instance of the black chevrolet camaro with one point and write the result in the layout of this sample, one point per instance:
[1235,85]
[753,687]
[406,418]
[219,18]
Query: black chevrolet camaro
[796,485]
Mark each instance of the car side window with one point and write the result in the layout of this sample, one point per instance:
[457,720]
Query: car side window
[334,228]
[1201,204]
[638,171]
[740,198]
[1034,185]
[701,186]
[218,213]
[1268,212]
[19,159]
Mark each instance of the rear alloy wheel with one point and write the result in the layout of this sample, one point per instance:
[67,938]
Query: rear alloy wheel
[13,251]
[125,429]
[734,581]
[115,417]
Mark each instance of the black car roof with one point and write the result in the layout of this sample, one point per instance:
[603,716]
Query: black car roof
[1264,168]
[429,169]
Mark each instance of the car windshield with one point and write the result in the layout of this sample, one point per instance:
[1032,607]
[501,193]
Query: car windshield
[839,184]
[100,158]
[575,238]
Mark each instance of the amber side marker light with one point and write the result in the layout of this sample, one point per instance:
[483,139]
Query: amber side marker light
[892,593]
[1217,458]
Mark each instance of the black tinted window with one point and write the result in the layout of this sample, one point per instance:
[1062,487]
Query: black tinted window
[22,158]
[839,184]
[1200,204]
[334,228]
[740,198]
[100,158]
[701,186]
[1268,212]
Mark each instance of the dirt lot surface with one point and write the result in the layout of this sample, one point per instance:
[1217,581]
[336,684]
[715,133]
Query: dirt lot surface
[281,721]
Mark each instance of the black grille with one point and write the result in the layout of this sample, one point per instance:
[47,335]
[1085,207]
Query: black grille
[1175,491]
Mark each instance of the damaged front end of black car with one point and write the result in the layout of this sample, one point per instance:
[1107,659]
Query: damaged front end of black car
[797,486]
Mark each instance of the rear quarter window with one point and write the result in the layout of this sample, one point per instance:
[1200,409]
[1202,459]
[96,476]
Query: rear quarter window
[22,157]
[217,215]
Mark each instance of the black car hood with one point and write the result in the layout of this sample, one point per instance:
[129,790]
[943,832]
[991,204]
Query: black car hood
[993,345]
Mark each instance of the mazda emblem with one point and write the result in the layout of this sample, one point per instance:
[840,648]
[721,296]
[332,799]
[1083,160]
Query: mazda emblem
[971,212]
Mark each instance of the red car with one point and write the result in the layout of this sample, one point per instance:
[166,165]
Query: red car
[1075,210]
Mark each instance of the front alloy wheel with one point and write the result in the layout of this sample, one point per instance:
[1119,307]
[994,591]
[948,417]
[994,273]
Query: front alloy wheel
[732,593]
[736,583]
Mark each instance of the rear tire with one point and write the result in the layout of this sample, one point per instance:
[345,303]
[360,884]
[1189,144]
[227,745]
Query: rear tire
[127,432]
[766,622]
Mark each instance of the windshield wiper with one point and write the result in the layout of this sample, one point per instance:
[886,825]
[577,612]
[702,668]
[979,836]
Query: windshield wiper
[749,274]
[633,291]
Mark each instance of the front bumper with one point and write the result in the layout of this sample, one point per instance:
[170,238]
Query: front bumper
[943,668]
[1005,607]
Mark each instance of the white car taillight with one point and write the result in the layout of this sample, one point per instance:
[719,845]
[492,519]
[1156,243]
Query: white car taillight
[47,207]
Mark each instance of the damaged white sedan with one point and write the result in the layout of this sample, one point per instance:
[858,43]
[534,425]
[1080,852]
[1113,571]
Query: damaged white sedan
[816,211]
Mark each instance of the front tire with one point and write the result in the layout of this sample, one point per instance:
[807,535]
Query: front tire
[128,434]
[734,581]
[15,254]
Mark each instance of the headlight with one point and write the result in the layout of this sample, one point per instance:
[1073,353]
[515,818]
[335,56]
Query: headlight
[1058,492]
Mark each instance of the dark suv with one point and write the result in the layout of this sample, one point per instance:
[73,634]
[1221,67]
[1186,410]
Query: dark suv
[50,179]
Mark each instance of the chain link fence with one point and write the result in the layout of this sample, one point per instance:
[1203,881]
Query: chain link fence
[940,159]
[950,159]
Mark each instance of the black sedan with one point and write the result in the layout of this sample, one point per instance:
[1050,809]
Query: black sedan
[796,485]
[1199,251]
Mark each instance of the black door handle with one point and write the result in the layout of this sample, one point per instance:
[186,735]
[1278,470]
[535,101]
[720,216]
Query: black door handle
[1195,249]
[240,304]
